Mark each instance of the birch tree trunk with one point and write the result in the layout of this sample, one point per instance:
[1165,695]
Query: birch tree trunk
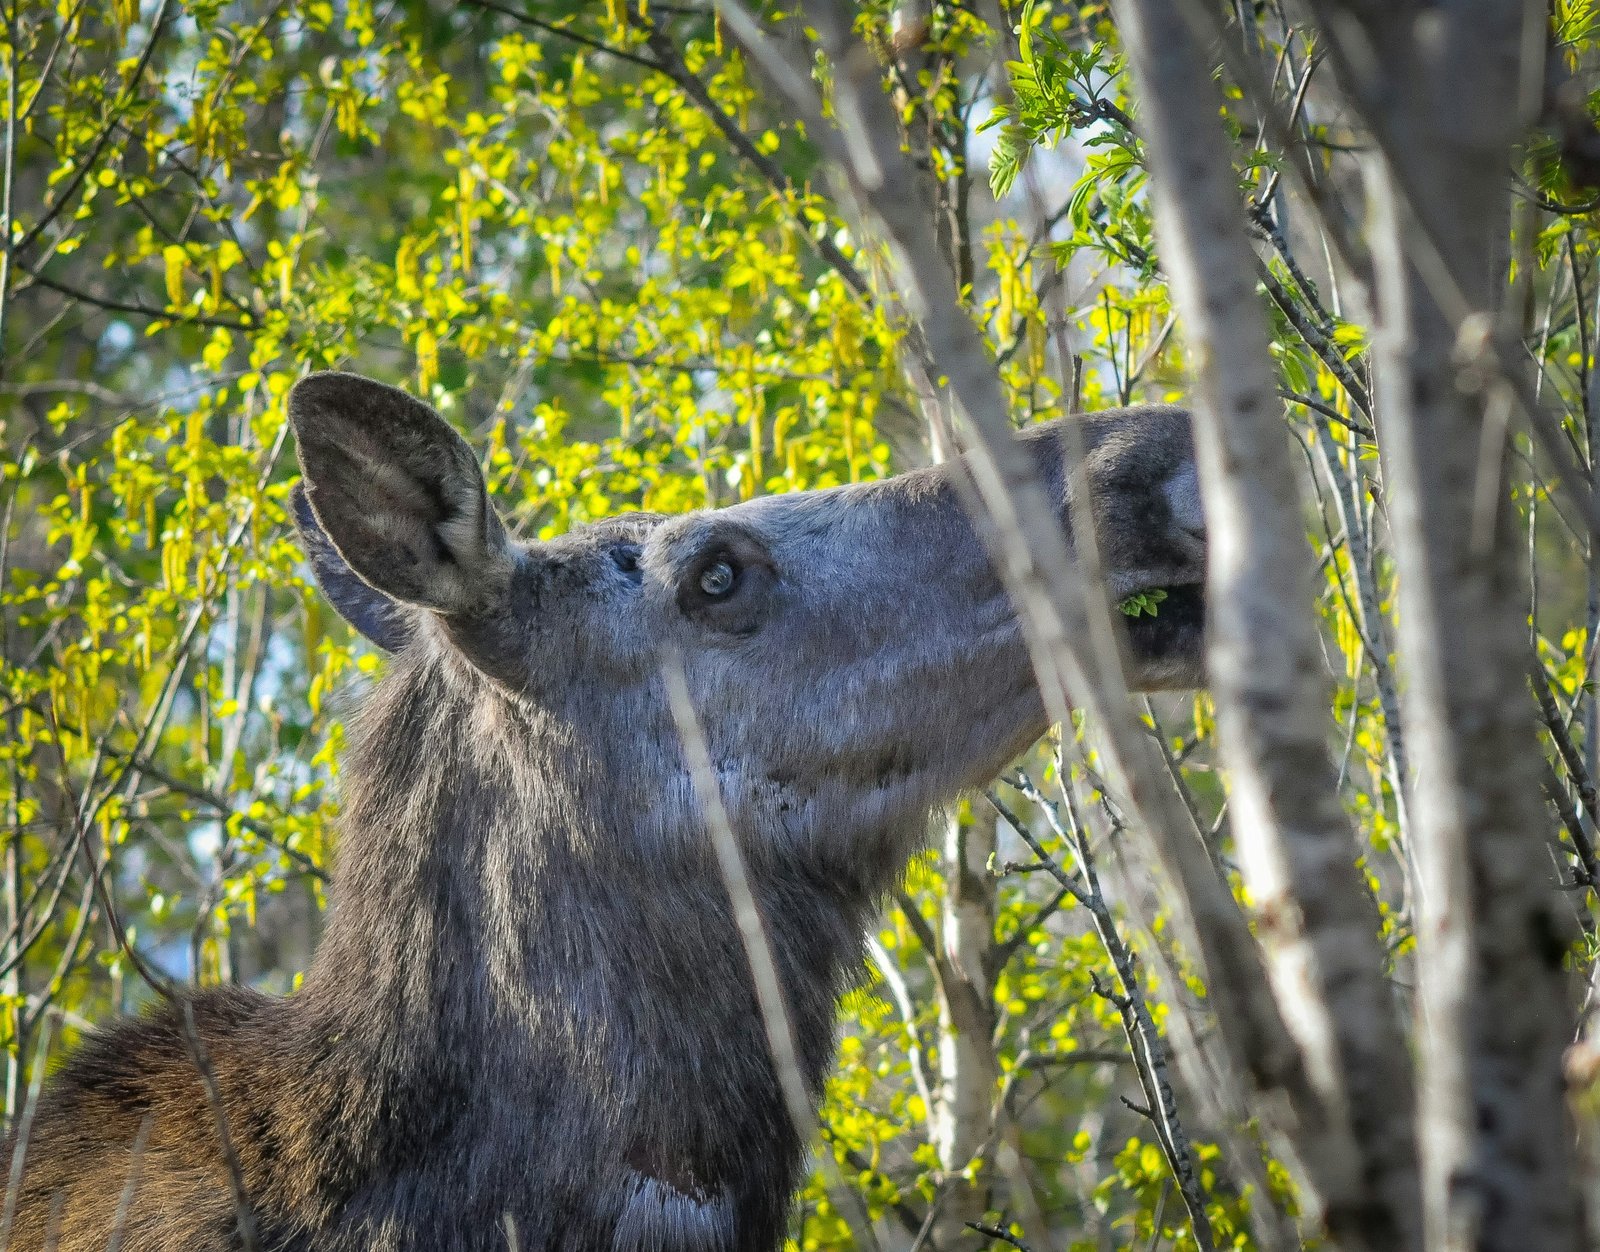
[1469,1145]
[1070,636]
[1494,1014]
[1315,917]
[968,1072]
[962,1118]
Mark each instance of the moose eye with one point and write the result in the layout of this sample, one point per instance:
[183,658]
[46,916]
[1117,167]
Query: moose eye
[727,586]
[717,579]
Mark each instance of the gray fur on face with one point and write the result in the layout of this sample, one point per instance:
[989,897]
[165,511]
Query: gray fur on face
[531,1001]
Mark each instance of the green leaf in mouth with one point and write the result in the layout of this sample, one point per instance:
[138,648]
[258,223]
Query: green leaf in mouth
[1142,602]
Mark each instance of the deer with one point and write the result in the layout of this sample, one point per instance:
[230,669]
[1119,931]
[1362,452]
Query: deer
[530,1022]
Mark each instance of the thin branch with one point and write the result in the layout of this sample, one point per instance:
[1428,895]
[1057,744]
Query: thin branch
[158,24]
[244,1216]
[564,32]
[1045,911]
[909,1219]
[8,175]
[671,63]
[1328,411]
[1317,340]
[1588,868]
[130,1187]
[1148,1052]
[770,997]
[908,1015]
[21,1134]
[134,307]
[143,765]
[918,924]
[995,1232]
[1550,716]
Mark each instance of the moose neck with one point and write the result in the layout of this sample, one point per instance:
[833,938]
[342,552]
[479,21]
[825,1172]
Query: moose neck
[497,922]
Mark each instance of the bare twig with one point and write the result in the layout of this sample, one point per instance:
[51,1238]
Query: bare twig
[671,64]
[995,1232]
[1550,715]
[9,173]
[564,32]
[244,1215]
[770,998]
[1148,1051]
[81,168]
[130,1188]
[20,1136]
[37,279]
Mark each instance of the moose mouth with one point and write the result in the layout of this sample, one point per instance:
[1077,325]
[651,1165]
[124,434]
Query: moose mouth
[1171,636]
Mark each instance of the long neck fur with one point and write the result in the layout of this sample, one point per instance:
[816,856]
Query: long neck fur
[516,973]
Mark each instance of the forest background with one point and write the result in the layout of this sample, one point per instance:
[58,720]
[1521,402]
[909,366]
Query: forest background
[604,246]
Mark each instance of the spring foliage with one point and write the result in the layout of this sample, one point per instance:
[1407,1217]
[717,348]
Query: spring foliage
[522,214]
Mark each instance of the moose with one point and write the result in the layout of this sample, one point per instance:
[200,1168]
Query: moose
[531,1022]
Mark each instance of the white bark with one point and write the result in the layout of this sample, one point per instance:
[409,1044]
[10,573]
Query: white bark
[968,1069]
[1315,917]
[1438,87]
[1068,630]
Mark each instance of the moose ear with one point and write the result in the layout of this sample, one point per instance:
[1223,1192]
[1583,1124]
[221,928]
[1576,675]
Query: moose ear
[375,615]
[398,494]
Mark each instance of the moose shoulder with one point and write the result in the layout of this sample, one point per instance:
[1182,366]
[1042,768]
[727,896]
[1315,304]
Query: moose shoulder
[531,1009]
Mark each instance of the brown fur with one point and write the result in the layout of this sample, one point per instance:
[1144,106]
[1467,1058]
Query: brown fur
[531,1004]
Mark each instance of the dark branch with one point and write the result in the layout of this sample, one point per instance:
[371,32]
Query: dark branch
[563,32]
[132,307]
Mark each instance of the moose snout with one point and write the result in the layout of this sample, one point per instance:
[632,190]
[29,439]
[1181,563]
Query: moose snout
[1182,492]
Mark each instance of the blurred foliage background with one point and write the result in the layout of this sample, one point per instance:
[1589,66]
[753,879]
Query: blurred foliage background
[575,229]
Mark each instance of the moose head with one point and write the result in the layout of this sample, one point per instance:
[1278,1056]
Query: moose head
[532,1011]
